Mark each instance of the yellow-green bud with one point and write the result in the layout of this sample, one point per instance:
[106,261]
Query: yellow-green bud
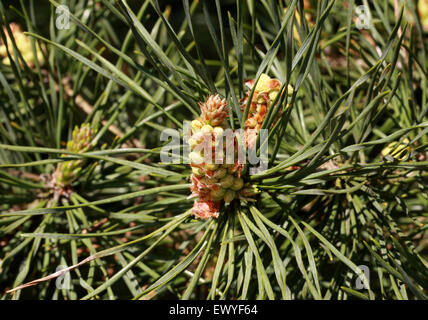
[237,185]
[220,173]
[196,125]
[196,157]
[273,94]
[218,131]
[211,166]
[193,142]
[229,196]
[227,181]
[67,171]
[217,195]
[198,171]
[207,128]
[263,83]
[290,90]
[210,180]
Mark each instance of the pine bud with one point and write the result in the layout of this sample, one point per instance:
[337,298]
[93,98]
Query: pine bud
[211,166]
[229,196]
[210,181]
[196,125]
[227,181]
[207,129]
[67,171]
[218,131]
[423,12]
[198,171]
[217,194]
[23,44]
[265,92]
[193,142]
[196,157]
[220,173]
[214,110]
[237,185]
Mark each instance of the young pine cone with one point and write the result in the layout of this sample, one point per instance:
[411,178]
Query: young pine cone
[423,13]
[212,183]
[265,93]
[67,171]
[23,43]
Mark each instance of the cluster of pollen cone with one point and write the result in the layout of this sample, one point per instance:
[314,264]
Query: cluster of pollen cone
[23,44]
[66,172]
[216,177]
